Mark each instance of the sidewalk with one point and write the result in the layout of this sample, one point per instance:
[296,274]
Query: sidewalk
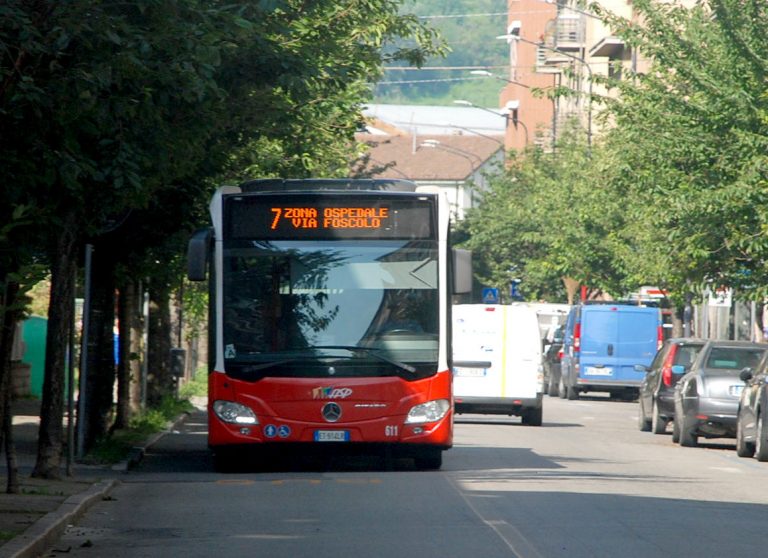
[33,519]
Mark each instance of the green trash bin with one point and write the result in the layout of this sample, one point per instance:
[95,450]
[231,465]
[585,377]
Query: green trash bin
[34,333]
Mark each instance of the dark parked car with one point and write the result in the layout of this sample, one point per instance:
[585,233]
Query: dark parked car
[752,424]
[707,397]
[553,354]
[657,390]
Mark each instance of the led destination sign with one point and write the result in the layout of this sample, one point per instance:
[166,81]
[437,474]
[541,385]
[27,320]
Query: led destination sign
[330,217]
[317,217]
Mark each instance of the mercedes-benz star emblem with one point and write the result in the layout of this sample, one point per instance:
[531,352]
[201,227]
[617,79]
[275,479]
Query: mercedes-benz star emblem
[331,412]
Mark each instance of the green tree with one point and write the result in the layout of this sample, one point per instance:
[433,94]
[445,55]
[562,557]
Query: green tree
[107,105]
[688,148]
[547,221]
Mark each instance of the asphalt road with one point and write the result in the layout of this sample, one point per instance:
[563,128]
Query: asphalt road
[587,483]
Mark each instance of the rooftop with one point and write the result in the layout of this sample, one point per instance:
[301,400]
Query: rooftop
[450,157]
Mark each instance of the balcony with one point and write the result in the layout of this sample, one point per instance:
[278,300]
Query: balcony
[569,31]
[609,46]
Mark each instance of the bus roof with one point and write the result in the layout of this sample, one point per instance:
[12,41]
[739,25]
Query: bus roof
[315,184]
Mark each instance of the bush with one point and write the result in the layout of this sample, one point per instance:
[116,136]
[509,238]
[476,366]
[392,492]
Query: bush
[196,387]
[117,445]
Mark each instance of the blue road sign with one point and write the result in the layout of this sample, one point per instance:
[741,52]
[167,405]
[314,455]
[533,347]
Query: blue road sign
[490,296]
[514,289]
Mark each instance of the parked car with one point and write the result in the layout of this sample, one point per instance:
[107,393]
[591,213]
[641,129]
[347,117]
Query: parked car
[553,355]
[751,422]
[602,345]
[707,396]
[657,390]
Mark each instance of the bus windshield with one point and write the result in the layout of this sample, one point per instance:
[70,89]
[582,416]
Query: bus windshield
[312,308]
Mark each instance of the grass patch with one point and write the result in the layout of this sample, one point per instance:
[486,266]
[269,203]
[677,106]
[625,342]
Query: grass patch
[196,387]
[7,535]
[40,491]
[117,446]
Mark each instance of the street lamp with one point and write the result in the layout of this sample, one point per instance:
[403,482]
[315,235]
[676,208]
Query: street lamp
[435,144]
[509,109]
[471,131]
[513,34]
[486,73]
[512,107]
[464,103]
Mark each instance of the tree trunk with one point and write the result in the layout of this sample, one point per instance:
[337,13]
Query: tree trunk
[60,318]
[138,349]
[571,287]
[128,371]
[759,333]
[678,321]
[160,380]
[8,318]
[12,484]
[100,382]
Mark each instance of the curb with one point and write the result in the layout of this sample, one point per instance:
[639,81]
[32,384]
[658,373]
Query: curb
[136,453]
[44,533]
[48,529]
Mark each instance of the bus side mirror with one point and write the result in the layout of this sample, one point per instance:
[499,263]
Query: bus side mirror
[462,271]
[198,251]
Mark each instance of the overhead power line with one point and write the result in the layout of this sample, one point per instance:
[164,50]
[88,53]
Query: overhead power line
[435,68]
[427,80]
[448,16]
[456,68]
[490,14]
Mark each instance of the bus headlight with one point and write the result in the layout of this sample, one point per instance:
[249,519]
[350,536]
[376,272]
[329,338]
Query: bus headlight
[232,412]
[430,411]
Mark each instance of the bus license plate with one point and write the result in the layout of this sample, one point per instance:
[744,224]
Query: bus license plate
[599,371]
[331,436]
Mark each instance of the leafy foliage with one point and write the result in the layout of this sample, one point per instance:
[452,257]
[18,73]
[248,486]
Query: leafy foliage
[674,191]
[689,146]
[544,220]
[118,119]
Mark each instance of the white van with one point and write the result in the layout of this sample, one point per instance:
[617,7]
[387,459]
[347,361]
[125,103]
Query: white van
[497,361]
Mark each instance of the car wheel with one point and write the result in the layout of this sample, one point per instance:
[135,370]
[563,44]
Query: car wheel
[761,439]
[658,422]
[533,417]
[561,390]
[688,437]
[553,388]
[429,460]
[743,448]
[225,460]
[675,431]
[642,423]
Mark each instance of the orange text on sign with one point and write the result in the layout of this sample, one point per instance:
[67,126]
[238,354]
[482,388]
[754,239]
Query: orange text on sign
[332,218]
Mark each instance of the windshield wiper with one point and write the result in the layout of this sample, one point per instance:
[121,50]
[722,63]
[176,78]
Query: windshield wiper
[310,355]
[372,352]
[263,366]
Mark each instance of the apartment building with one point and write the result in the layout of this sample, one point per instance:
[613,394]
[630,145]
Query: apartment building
[555,43]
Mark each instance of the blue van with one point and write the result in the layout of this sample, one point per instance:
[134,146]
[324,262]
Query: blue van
[603,343]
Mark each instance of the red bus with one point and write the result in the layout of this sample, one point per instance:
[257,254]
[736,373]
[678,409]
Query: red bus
[330,318]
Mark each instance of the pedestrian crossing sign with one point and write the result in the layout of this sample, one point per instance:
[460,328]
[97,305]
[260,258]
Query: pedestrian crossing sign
[490,296]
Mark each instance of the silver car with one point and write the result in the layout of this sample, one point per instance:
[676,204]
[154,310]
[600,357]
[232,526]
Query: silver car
[707,396]
[752,427]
